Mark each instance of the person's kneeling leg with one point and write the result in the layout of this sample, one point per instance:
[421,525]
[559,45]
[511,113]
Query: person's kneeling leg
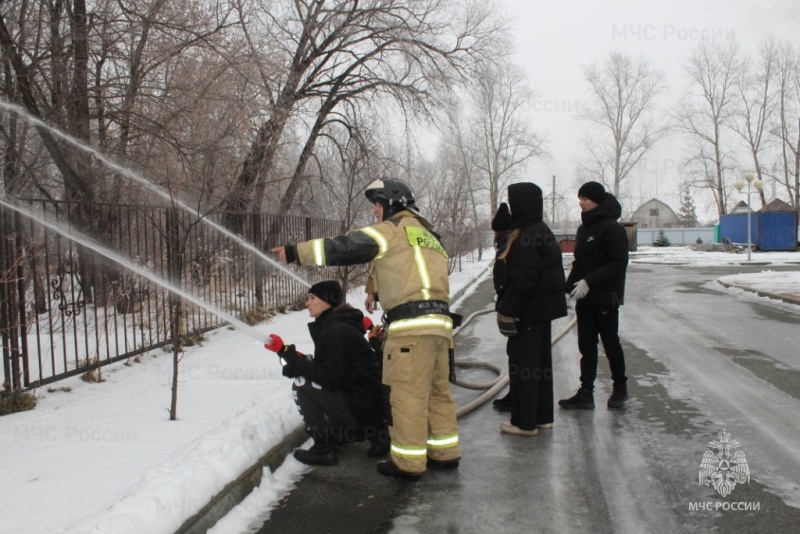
[310,400]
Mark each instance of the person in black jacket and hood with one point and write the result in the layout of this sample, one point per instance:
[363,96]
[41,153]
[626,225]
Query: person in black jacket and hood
[597,283]
[339,391]
[532,296]
[501,225]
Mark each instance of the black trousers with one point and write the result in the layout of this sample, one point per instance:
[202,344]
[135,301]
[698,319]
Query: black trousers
[325,413]
[530,371]
[594,321]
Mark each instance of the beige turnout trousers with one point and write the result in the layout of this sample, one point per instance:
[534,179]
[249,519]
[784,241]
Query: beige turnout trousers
[423,422]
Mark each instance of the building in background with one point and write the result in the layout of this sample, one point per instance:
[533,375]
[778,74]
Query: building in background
[654,214]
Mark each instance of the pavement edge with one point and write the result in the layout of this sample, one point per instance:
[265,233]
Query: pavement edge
[761,293]
[235,492]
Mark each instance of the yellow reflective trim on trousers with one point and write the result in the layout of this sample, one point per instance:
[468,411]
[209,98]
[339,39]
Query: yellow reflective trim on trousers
[443,442]
[423,321]
[383,245]
[409,452]
[318,251]
[422,269]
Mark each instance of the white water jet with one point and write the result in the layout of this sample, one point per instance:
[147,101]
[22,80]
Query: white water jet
[89,243]
[149,185]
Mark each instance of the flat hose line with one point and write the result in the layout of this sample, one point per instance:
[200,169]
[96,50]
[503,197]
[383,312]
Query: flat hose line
[502,379]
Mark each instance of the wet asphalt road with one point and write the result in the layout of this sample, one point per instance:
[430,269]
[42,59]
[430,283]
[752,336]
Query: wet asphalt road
[699,358]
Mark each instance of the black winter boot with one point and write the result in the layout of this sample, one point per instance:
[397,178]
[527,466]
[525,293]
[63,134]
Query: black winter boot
[583,399]
[379,443]
[618,397]
[317,454]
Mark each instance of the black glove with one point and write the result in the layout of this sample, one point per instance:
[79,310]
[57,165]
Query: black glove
[288,356]
[509,326]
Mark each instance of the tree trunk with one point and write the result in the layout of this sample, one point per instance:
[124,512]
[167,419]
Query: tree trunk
[55,150]
[797,169]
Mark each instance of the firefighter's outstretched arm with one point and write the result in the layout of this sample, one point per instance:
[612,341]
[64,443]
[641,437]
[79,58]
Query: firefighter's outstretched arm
[359,246]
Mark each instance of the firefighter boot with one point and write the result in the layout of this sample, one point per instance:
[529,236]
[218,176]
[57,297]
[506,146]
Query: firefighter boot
[389,469]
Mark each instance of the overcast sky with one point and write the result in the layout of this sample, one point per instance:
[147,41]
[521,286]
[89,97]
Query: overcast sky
[555,39]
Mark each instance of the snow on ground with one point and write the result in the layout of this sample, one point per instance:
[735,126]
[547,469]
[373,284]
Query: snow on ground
[689,256]
[103,457]
[768,280]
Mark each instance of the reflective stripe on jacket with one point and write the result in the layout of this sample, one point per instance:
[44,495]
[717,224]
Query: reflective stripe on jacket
[408,264]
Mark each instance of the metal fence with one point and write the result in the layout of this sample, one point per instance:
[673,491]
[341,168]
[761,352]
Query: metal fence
[677,236]
[76,295]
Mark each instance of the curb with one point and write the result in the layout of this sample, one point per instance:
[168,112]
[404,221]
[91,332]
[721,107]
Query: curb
[235,492]
[761,293]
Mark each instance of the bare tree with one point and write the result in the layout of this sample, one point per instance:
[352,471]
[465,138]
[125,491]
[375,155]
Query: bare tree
[505,138]
[77,185]
[449,208]
[406,48]
[707,111]
[787,131]
[346,160]
[98,76]
[622,100]
[458,154]
[758,100]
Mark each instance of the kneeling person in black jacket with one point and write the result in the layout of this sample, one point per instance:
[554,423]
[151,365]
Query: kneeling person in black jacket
[339,391]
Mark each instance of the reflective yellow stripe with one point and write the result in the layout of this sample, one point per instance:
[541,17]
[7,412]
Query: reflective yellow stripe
[409,452]
[423,321]
[422,268]
[383,245]
[443,442]
[318,251]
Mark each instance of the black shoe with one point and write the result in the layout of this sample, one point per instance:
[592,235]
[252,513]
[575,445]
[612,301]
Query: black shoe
[618,397]
[387,468]
[317,455]
[443,464]
[379,444]
[583,399]
[503,404]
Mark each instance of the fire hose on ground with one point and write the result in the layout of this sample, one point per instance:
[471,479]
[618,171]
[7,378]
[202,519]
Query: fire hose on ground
[491,388]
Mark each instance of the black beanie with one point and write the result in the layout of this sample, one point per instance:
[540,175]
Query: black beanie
[502,219]
[330,291]
[594,191]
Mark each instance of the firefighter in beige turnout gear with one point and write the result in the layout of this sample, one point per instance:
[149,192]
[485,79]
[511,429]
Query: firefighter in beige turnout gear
[409,274]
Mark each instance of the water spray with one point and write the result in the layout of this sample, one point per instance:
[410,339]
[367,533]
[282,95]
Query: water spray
[149,185]
[89,243]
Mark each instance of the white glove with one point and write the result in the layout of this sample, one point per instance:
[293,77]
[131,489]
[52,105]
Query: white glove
[580,290]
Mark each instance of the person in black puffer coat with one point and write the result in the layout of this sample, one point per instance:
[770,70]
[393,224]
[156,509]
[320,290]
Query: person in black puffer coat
[338,392]
[532,298]
[597,283]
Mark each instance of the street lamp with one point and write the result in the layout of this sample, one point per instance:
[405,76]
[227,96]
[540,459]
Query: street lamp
[739,185]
